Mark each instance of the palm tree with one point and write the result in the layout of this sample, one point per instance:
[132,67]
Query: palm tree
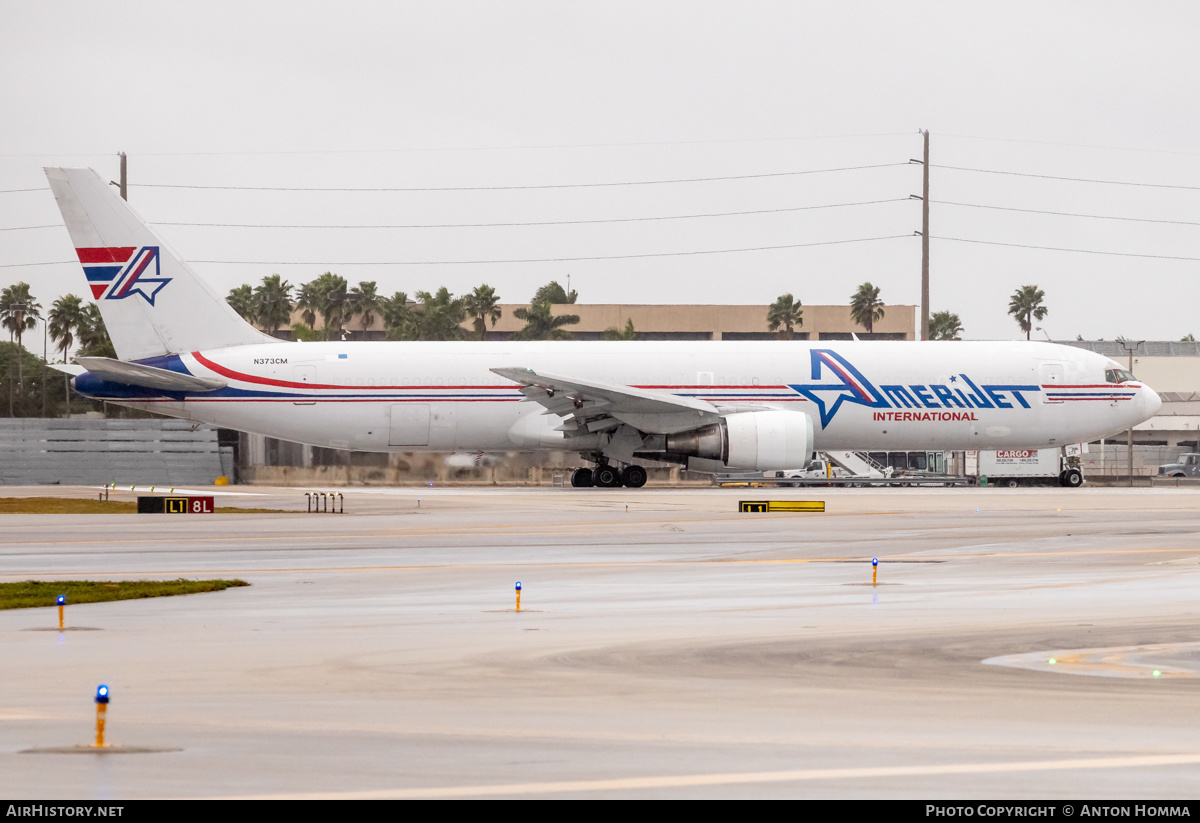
[554,293]
[273,303]
[1026,306]
[66,318]
[617,334]
[308,301]
[945,325]
[542,324]
[365,302]
[482,305]
[241,300]
[333,295]
[440,316]
[327,296]
[397,318]
[866,307]
[785,315]
[93,335]
[19,313]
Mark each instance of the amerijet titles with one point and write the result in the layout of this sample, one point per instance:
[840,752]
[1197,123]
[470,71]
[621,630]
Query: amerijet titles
[852,387]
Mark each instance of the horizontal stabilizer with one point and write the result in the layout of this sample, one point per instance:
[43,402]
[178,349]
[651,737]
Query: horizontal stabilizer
[136,374]
[68,368]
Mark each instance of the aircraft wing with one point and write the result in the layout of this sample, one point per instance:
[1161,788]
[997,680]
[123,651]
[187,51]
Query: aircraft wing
[137,374]
[600,406]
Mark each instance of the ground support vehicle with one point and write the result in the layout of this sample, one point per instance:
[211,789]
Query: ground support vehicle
[1030,467]
[1188,465]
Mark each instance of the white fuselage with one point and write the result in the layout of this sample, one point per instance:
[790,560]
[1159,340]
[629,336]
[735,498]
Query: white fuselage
[417,396]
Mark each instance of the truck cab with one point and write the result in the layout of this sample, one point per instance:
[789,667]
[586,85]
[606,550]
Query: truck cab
[1188,465]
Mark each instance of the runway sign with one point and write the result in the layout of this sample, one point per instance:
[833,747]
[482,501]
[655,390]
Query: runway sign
[175,505]
[781,506]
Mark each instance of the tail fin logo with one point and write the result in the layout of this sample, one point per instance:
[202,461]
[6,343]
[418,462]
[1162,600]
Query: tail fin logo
[118,272]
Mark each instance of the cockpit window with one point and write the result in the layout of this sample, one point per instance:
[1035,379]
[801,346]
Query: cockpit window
[1118,376]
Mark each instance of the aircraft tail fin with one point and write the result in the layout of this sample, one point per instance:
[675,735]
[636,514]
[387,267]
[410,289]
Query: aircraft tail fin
[151,301]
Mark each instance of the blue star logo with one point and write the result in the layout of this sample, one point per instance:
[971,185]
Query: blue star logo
[851,386]
[134,280]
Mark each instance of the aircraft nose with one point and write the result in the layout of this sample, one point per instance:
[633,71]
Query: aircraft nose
[1151,402]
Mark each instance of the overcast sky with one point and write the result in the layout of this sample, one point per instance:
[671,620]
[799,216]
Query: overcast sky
[479,96]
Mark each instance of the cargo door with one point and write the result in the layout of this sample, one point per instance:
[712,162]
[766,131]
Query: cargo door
[1052,380]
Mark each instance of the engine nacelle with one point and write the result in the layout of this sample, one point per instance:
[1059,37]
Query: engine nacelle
[757,441]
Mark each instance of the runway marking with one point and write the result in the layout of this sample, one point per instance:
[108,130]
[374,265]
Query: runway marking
[1156,661]
[899,559]
[744,778]
[443,531]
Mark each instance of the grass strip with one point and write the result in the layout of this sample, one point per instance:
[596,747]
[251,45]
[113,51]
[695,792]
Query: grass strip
[31,594]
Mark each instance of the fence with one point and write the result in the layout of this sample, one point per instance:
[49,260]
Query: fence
[35,451]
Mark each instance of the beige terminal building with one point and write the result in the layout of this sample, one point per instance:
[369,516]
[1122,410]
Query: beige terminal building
[680,322]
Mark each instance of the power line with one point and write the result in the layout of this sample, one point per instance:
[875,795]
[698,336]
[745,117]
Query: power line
[1075,251]
[541,259]
[1071,179]
[1065,145]
[1070,214]
[13,191]
[479,148]
[531,223]
[516,188]
[633,256]
[27,228]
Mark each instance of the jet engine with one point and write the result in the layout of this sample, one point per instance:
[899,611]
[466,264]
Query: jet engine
[752,441]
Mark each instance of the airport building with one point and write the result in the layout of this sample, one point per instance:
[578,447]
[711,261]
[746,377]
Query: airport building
[1173,370]
[685,322]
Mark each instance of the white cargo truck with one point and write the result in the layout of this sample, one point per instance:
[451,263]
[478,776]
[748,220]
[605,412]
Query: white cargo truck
[1031,467]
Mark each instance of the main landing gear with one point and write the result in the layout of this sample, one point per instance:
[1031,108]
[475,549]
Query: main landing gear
[609,477]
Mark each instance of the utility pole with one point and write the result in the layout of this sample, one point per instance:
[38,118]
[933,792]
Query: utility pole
[924,232]
[924,243]
[123,186]
[1130,346]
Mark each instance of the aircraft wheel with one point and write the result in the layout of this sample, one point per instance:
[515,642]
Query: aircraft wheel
[634,477]
[582,479]
[1062,478]
[606,477]
[1073,478]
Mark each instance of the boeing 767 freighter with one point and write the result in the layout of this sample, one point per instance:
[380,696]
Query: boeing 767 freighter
[710,406]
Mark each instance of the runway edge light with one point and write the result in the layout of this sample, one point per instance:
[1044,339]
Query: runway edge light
[874,571]
[62,601]
[101,711]
[518,595]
